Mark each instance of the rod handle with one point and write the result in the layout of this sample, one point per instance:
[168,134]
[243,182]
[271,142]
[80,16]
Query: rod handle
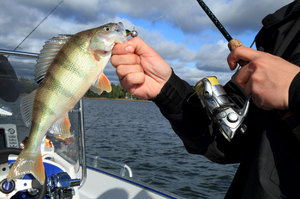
[233,44]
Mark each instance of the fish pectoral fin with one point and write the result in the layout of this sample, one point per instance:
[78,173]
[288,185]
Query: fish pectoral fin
[26,163]
[27,107]
[101,84]
[61,128]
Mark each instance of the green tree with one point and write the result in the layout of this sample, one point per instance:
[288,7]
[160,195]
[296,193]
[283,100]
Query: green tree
[116,93]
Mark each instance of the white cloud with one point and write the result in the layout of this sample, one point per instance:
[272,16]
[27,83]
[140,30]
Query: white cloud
[206,57]
[213,57]
[168,49]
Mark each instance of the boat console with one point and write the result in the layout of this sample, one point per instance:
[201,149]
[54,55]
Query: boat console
[8,136]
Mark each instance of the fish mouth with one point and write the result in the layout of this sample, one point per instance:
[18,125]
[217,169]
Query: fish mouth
[119,28]
[121,25]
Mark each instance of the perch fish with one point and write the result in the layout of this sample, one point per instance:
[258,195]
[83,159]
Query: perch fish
[67,67]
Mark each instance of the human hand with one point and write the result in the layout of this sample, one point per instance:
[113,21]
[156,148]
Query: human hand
[141,70]
[266,77]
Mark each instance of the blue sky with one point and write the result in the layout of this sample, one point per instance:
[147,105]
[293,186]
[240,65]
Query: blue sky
[179,30]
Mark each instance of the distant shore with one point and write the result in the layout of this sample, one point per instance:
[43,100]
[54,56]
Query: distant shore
[120,99]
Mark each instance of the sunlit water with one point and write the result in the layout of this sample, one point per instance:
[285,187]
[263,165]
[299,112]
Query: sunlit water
[135,133]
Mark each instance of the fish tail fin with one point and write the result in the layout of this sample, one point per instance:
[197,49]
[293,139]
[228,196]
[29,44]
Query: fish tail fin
[28,162]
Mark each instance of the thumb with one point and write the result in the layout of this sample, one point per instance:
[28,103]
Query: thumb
[134,45]
[139,46]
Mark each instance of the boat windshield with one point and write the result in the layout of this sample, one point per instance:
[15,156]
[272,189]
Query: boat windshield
[17,81]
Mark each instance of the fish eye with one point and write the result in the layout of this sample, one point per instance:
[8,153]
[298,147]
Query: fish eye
[106,28]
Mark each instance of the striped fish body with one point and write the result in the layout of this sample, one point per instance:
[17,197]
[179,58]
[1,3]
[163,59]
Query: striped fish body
[71,74]
[78,65]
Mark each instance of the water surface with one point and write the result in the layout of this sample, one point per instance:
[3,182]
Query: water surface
[135,133]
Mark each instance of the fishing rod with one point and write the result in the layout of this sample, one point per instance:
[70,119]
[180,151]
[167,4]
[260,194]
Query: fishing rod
[215,20]
[39,24]
[214,98]
[233,43]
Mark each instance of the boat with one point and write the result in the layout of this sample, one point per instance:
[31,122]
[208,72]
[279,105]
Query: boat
[68,175]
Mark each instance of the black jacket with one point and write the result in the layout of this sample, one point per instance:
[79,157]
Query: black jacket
[268,153]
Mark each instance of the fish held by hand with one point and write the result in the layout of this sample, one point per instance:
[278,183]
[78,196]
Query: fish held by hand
[67,67]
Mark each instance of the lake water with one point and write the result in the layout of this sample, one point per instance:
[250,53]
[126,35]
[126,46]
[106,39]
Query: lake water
[135,133]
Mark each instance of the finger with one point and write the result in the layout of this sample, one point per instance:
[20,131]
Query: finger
[124,70]
[260,103]
[120,49]
[242,77]
[134,44]
[126,59]
[132,79]
[241,53]
[140,46]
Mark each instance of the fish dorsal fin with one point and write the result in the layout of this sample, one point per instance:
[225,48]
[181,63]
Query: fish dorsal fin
[47,55]
[101,84]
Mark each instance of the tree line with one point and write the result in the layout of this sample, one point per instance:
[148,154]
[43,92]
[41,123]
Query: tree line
[27,85]
[117,92]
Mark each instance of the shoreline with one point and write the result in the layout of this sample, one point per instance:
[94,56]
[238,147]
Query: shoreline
[119,99]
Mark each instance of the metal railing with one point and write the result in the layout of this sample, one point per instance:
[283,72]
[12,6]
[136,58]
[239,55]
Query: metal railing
[82,143]
[124,167]
[18,53]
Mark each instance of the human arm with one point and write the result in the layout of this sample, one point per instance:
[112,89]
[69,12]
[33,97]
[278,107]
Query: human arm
[181,106]
[294,96]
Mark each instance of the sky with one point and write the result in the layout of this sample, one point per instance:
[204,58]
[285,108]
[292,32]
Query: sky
[178,30]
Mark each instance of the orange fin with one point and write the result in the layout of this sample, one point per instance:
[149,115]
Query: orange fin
[61,127]
[101,84]
[61,130]
[28,162]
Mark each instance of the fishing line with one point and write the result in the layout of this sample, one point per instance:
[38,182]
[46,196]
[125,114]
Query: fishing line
[39,24]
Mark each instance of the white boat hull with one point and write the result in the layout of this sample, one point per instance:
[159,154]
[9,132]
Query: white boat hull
[103,185]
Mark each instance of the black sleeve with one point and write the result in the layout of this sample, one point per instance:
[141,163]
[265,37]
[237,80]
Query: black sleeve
[181,106]
[294,96]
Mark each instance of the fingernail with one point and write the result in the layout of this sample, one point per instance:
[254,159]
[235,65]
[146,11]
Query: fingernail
[129,49]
